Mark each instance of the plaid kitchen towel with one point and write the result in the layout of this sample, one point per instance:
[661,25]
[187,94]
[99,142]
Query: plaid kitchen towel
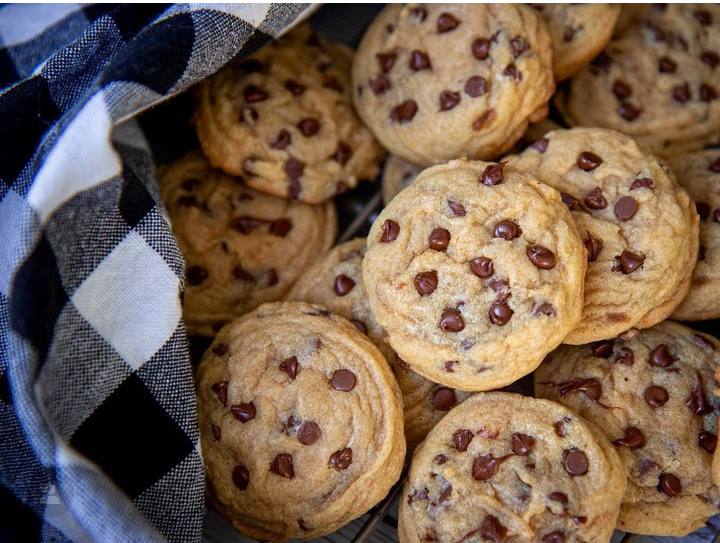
[98,426]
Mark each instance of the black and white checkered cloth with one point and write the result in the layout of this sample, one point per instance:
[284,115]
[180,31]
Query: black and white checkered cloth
[98,426]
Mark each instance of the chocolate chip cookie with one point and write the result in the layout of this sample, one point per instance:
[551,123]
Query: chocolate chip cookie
[335,282]
[476,272]
[657,82]
[300,422]
[579,32]
[241,248]
[699,174]
[397,174]
[503,467]
[652,396]
[441,81]
[639,226]
[283,120]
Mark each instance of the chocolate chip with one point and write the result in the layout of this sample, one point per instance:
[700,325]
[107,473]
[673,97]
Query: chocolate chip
[360,326]
[590,387]
[625,208]
[343,380]
[595,199]
[462,439]
[294,87]
[241,477]
[390,231]
[290,366]
[196,275]
[667,65]
[308,433]
[386,61]
[621,89]
[541,257]
[480,48]
[557,536]
[342,153]
[708,93]
[522,444]
[245,225]
[446,23]
[418,13]
[446,493]
[698,403]
[500,313]
[485,467]
[603,349]
[519,46]
[294,168]
[710,58]
[628,111]
[380,85]
[575,462]
[545,308]
[707,441]
[588,161]
[475,86]
[656,396]
[343,285]
[404,112]
[630,261]
[253,93]
[703,342]
[593,246]
[541,146]
[282,465]
[443,399]
[426,282]
[484,120]
[309,127]
[271,277]
[512,71]
[571,202]
[341,459]
[559,497]
[703,17]
[482,267]
[625,357]
[568,34]
[301,525]
[633,438]
[280,227]
[716,215]
[493,174]
[419,61]
[220,390]
[457,209]
[448,100]
[492,530]
[216,433]
[660,357]
[451,321]
[715,166]
[669,485]
[282,140]
[642,183]
[244,412]
[681,93]
[220,349]
[439,239]
[506,229]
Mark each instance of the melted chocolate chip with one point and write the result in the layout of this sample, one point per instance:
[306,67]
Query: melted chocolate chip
[507,230]
[493,174]
[484,120]
[443,399]
[241,477]
[707,441]
[220,390]
[457,209]
[708,93]
[282,140]
[282,465]
[492,530]
[588,161]
[244,412]
[541,257]
[656,396]
[294,87]
[625,357]
[480,48]
[343,285]
[426,282]
[290,366]
[390,231]
[703,17]
[308,433]
[343,380]
[404,112]
[667,65]
[294,168]
[485,467]
[280,227]
[445,494]
[625,208]
[681,93]
[220,349]
[440,459]
[253,93]
[633,438]
[669,485]
[703,342]
[475,86]
[545,308]
[642,183]
[522,444]
[446,23]
[593,246]
[216,433]
[500,313]
[630,261]
[560,426]
[196,275]
[560,497]
[309,127]
[482,267]
[603,348]
[557,536]
[628,111]
[519,46]
[341,459]
[698,403]
[660,357]
[462,439]
[451,321]
[512,71]
[380,85]
[711,58]
[590,387]
[342,153]
[386,61]
[621,89]
[419,61]
[575,462]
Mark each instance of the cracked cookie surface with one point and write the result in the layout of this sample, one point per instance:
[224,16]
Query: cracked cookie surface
[475,272]
[652,397]
[504,467]
[639,226]
[300,421]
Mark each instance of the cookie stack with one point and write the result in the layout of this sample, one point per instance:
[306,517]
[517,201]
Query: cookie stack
[564,258]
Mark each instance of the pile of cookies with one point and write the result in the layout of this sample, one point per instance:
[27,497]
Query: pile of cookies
[507,245]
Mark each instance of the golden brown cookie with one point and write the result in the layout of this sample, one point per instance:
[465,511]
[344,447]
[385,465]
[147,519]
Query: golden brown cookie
[335,282]
[579,32]
[475,271]
[639,226]
[441,81]
[241,248]
[397,174]
[283,120]
[657,82]
[699,174]
[504,467]
[652,396]
[300,421]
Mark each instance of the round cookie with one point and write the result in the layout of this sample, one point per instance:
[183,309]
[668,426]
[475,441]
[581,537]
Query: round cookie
[476,272]
[699,174]
[639,226]
[441,81]
[397,174]
[504,467]
[300,422]
[579,32]
[335,281]
[657,82]
[652,396]
[242,248]
[283,120]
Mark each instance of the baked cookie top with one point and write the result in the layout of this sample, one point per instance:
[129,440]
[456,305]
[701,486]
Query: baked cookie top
[476,272]
[283,120]
[396,175]
[639,226]
[335,281]
[579,32]
[657,82]
[699,174]
[652,396]
[504,467]
[242,248]
[300,420]
[441,81]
